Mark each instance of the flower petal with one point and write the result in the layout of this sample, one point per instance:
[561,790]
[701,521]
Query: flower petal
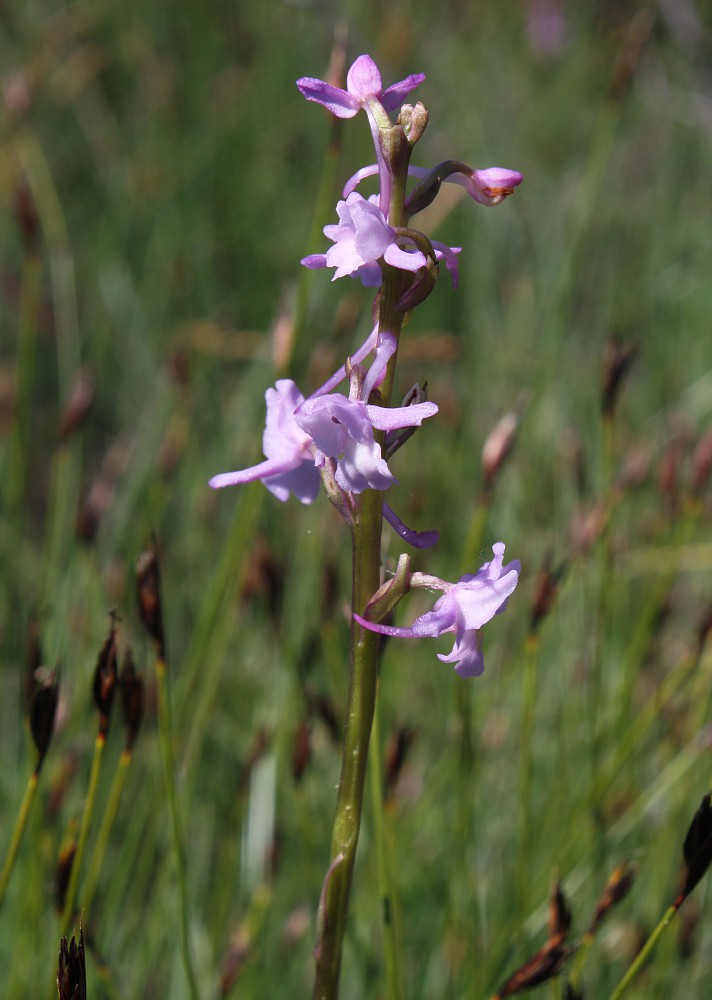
[363,80]
[396,93]
[338,102]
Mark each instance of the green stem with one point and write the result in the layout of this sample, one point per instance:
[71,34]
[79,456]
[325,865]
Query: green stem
[385,882]
[18,832]
[359,717]
[164,725]
[525,775]
[25,368]
[71,896]
[363,664]
[643,955]
[102,839]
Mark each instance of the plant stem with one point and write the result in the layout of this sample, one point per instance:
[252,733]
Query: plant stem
[525,774]
[103,836]
[71,896]
[385,883]
[643,954]
[18,832]
[164,725]
[359,717]
[364,652]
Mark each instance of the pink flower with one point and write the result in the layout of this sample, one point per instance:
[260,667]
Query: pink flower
[463,609]
[362,238]
[363,85]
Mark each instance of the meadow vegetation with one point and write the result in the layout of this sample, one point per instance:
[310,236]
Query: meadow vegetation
[160,178]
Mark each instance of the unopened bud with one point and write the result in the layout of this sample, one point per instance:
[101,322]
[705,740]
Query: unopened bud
[414,119]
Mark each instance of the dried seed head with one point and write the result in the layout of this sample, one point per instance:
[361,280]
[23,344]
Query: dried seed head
[71,974]
[498,446]
[559,914]
[617,888]
[396,753]
[545,591]
[547,962]
[697,849]
[617,362]
[148,581]
[43,710]
[63,872]
[105,678]
[81,396]
[301,750]
[545,965]
[702,463]
[131,685]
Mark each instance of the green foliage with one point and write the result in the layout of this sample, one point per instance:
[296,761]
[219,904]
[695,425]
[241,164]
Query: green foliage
[173,170]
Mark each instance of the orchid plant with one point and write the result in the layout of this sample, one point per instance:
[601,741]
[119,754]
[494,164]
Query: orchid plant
[345,442]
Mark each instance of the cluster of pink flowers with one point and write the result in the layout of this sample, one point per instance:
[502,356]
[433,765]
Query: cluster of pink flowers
[328,438]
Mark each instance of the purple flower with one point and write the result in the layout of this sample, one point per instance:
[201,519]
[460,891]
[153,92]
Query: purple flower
[290,465]
[463,609]
[343,428]
[363,85]
[302,434]
[361,239]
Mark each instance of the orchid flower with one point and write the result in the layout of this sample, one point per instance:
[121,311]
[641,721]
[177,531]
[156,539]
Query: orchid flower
[362,238]
[342,428]
[364,89]
[302,434]
[289,466]
[463,609]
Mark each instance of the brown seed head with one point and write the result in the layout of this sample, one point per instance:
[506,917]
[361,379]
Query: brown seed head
[105,678]
[131,685]
[697,849]
[619,885]
[71,974]
[43,711]
[618,359]
[148,581]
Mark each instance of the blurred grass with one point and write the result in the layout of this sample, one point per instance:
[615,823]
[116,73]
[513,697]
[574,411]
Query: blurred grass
[173,169]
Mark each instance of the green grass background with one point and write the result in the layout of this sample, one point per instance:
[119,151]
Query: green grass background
[174,170]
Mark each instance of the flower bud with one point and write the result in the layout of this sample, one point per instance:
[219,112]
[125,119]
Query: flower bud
[414,120]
